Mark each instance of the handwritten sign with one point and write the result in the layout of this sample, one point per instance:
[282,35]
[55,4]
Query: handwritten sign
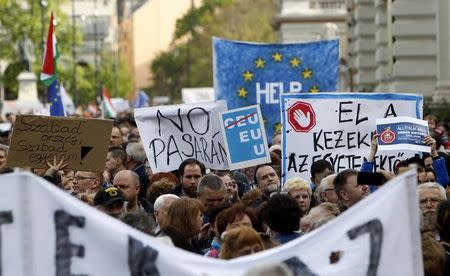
[174,133]
[83,143]
[338,127]
[245,137]
[402,133]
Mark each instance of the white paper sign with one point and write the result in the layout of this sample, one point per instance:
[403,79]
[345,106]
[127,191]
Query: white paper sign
[338,127]
[45,232]
[171,134]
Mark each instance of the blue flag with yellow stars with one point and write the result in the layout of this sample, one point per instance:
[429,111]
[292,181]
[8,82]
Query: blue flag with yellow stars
[250,73]
[54,97]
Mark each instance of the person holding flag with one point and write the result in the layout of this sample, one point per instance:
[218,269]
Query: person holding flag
[49,74]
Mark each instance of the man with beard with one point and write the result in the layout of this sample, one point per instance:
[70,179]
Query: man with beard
[430,195]
[267,180]
[347,188]
[190,170]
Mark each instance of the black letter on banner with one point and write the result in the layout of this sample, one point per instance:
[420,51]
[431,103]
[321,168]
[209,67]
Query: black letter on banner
[192,125]
[64,248]
[298,267]
[6,217]
[141,260]
[375,229]
[344,111]
[391,113]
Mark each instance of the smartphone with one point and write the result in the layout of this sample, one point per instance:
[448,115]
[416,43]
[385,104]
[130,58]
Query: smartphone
[370,178]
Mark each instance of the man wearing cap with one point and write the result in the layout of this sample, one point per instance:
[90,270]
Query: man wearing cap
[110,201]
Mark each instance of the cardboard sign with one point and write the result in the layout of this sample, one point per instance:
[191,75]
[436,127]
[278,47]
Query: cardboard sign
[245,137]
[248,73]
[338,127]
[402,133]
[65,236]
[83,143]
[172,134]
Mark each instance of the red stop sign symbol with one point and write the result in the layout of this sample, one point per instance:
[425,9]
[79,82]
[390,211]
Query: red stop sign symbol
[301,117]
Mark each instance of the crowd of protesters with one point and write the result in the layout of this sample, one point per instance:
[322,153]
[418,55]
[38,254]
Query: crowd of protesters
[227,214]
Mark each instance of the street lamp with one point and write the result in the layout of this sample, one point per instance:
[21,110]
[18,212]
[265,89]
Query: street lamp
[43,5]
[74,57]
[96,75]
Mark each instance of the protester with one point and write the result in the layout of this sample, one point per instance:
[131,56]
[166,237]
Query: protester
[282,215]
[139,220]
[184,222]
[214,249]
[325,191]
[128,182]
[161,183]
[116,160]
[67,181]
[443,228]
[231,186]
[110,201]
[267,180]
[319,170]
[438,132]
[3,155]
[116,139]
[318,216]
[161,208]
[86,185]
[430,195]
[190,170]
[241,241]
[136,162]
[211,193]
[300,190]
[348,190]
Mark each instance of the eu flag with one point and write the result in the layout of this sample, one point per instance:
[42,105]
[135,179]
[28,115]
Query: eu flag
[54,97]
[251,73]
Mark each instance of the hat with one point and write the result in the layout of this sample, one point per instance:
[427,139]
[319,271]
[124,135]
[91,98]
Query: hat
[108,196]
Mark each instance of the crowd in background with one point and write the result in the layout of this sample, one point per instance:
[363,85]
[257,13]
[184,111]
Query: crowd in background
[227,214]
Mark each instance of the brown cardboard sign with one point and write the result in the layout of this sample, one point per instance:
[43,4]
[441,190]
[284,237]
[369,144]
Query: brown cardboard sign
[37,139]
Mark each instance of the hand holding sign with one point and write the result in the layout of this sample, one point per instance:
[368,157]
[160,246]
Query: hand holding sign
[302,119]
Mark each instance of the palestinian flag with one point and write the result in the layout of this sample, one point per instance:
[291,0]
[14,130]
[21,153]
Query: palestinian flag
[107,107]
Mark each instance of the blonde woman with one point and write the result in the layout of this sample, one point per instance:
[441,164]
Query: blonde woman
[301,191]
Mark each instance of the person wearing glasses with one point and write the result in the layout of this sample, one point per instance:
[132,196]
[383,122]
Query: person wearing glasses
[86,184]
[430,195]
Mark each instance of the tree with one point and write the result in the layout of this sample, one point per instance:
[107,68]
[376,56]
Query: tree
[189,64]
[23,18]
[114,75]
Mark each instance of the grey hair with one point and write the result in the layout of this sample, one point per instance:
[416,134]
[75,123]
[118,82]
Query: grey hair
[323,186]
[433,185]
[4,148]
[210,181]
[161,201]
[136,152]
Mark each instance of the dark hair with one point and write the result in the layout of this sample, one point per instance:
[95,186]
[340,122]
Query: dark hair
[256,171]
[416,160]
[216,211]
[443,220]
[190,161]
[210,181]
[282,213]
[320,166]
[118,152]
[341,179]
[237,211]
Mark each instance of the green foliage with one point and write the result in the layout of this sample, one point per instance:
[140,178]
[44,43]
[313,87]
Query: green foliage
[115,76]
[189,64]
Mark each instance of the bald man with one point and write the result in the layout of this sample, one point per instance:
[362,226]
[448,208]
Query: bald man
[128,182]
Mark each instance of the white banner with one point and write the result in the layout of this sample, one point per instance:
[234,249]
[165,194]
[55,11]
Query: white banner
[171,134]
[44,231]
[338,127]
[197,95]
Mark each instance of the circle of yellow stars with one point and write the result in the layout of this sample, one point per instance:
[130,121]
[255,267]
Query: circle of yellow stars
[277,57]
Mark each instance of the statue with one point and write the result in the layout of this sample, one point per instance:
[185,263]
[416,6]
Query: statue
[25,48]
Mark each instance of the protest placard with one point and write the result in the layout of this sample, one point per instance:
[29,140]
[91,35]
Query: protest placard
[245,137]
[197,95]
[253,73]
[171,134]
[338,127]
[83,143]
[402,133]
[65,236]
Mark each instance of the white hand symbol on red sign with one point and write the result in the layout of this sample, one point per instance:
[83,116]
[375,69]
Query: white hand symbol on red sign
[302,119]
